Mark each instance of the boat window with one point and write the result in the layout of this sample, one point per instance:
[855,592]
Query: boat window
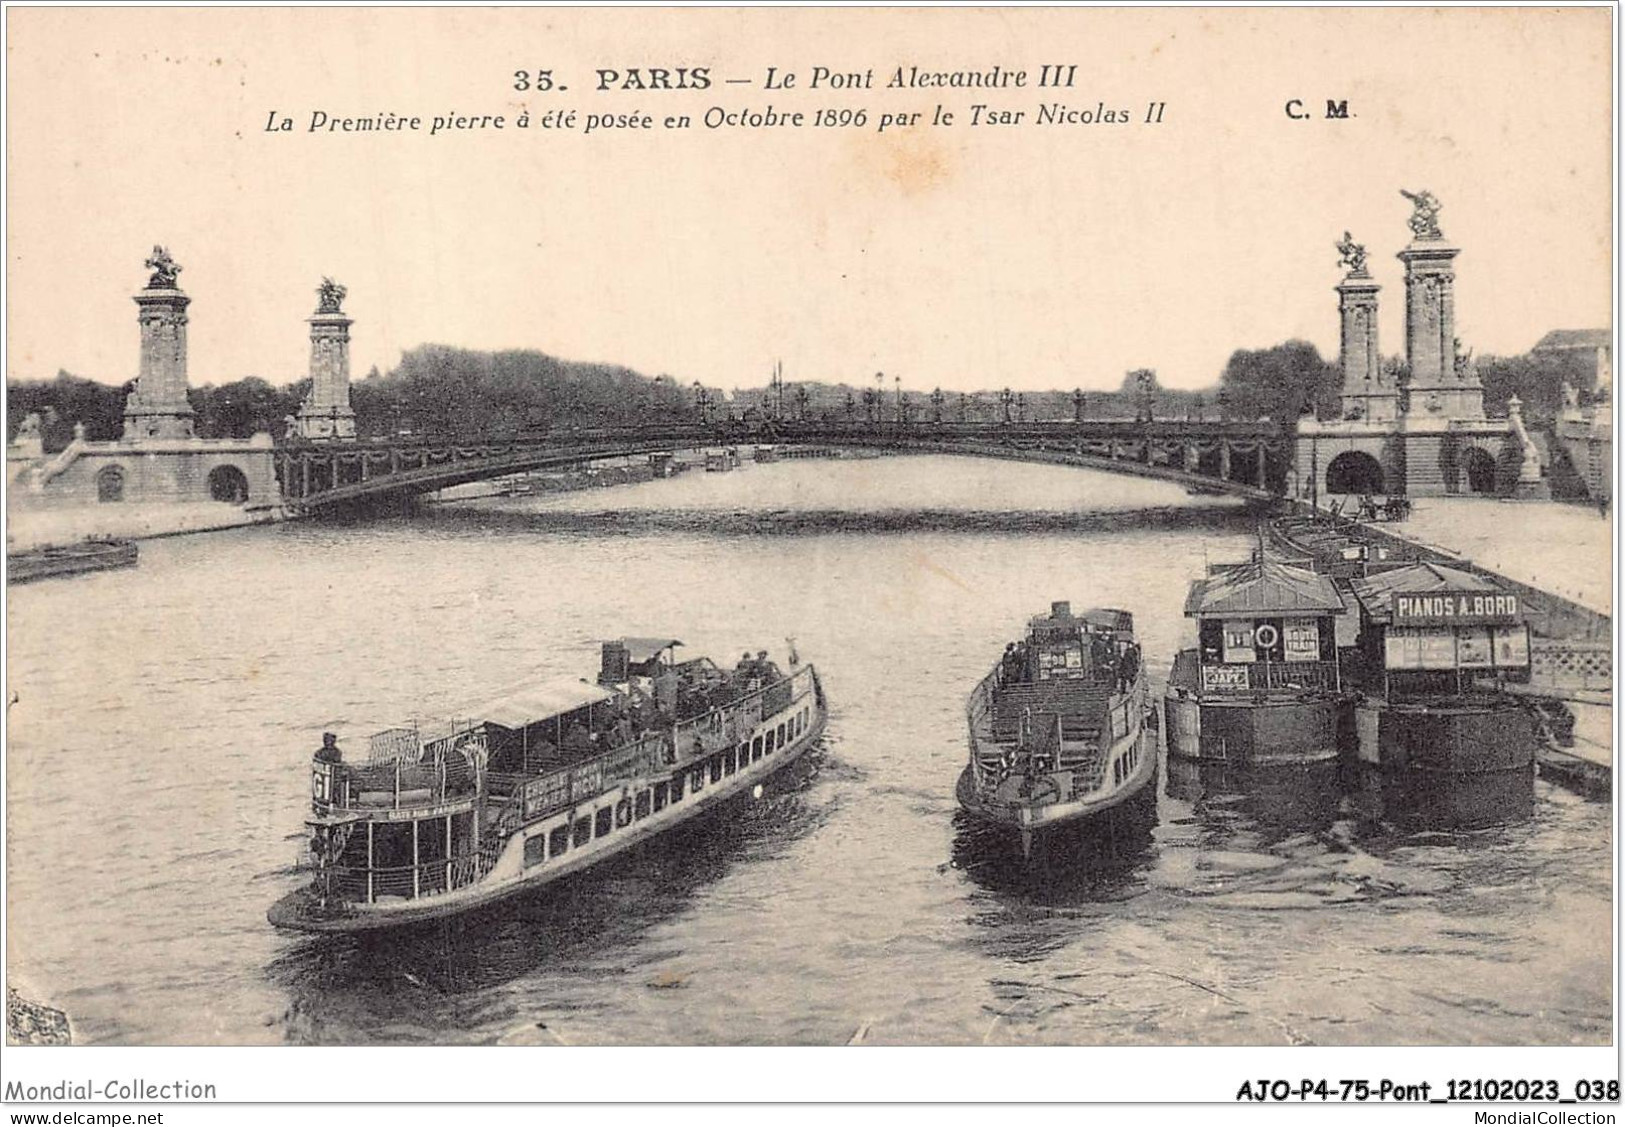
[581,832]
[641,805]
[536,849]
[756,748]
[603,822]
[697,782]
[660,795]
[781,735]
[728,762]
[559,840]
[716,768]
[744,755]
[677,787]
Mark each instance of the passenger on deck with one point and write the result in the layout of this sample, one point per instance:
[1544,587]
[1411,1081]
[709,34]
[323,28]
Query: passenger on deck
[541,755]
[329,751]
[577,741]
[1128,668]
[1010,667]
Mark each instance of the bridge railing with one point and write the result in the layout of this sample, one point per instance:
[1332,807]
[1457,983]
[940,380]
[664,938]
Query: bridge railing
[320,471]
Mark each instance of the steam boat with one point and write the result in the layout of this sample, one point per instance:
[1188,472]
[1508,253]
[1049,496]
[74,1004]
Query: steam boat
[1057,729]
[545,781]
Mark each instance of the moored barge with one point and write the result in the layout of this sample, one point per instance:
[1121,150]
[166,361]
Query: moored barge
[1436,647]
[1057,729]
[1264,683]
[51,561]
[545,781]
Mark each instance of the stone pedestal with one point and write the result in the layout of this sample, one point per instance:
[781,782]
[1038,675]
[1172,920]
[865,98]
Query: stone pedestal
[157,407]
[1437,389]
[1368,393]
[1531,485]
[326,411]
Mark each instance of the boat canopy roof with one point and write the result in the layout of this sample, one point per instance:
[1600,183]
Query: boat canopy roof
[641,650]
[1061,620]
[1262,586]
[1375,591]
[540,700]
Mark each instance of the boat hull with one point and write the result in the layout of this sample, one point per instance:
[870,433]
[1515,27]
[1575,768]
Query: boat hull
[1244,732]
[301,911]
[48,563]
[1035,817]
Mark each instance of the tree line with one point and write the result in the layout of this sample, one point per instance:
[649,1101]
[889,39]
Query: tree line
[441,391]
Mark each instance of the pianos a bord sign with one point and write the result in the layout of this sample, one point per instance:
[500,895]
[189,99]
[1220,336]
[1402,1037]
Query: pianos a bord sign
[1452,608]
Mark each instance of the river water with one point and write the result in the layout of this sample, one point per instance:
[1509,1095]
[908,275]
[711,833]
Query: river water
[164,718]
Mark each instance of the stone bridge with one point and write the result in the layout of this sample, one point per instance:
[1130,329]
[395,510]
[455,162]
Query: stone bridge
[1250,460]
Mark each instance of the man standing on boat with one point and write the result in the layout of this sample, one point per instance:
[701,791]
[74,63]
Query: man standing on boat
[329,751]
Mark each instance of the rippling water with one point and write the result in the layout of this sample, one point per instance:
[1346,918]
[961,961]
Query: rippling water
[160,740]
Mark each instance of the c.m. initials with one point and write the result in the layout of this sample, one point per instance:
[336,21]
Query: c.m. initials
[1057,74]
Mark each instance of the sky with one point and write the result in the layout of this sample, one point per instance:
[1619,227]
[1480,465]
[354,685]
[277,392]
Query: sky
[962,257]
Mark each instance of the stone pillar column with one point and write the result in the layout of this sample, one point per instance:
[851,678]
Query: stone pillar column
[1430,312]
[1439,387]
[1367,392]
[157,407]
[326,411]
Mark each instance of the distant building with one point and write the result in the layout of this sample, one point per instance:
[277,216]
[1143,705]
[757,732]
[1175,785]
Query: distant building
[1590,350]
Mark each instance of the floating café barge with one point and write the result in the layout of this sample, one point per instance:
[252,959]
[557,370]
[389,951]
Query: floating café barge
[546,781]
[1435,647]
[1264,683]
[1057,729]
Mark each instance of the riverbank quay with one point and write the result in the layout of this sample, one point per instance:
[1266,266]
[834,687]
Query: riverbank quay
[37,528]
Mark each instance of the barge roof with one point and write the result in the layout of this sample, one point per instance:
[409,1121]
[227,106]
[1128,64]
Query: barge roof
[1375,591]
[1262,586]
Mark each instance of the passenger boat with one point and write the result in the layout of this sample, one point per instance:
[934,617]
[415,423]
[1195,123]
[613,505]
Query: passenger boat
[1057,729]
[50,561]
[544,781]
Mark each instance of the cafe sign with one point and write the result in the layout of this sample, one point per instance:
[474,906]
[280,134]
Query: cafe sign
[1222,677]
[1464,608]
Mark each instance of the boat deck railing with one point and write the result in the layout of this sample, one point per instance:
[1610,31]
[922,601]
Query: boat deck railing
[426,786]
[359,884]
[1240,679]
[713,731]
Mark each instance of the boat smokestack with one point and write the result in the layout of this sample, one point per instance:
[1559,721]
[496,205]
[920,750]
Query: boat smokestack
[617,664]
[1060,610]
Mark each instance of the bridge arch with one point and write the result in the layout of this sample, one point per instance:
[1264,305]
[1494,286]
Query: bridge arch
[1245,460]
[109,485]
[1354,471]
[1478,470]
[228,484]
